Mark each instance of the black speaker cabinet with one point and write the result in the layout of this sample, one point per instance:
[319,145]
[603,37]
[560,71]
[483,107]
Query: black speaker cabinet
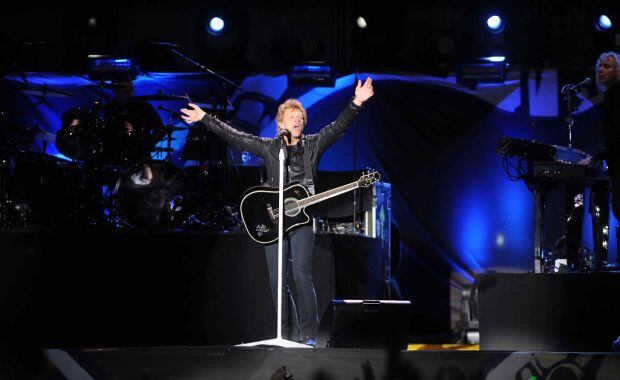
[370,324]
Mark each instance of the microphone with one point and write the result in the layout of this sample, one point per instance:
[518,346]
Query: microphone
[284,132]
[162,43]
[574,87]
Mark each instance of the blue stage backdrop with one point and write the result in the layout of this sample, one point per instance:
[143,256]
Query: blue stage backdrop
[455,208]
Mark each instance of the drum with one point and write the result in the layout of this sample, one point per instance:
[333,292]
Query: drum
[77,137]
[130,132]
[123,142]
[213,206]
[15,137]
[50,190]
[154,194]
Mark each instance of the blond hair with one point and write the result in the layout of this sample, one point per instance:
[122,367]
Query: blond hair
[291,104]
[616,58]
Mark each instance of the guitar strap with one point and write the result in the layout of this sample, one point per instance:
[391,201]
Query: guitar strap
[308,167]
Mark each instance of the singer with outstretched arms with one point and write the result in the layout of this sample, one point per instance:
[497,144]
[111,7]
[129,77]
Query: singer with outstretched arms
[302,155]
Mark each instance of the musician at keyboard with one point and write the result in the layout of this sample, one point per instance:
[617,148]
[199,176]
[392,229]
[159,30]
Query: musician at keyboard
[608,82]
[607,70]
[552,166]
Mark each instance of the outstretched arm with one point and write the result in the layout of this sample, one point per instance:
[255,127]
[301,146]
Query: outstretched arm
[240,140]
[328,135]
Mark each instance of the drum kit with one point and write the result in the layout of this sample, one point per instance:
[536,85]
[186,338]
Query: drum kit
[111,180]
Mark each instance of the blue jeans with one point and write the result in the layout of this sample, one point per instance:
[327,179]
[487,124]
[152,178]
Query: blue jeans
[299,308]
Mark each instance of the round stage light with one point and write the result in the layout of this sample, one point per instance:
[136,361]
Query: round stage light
[361,22]
[603,23]
[500,240]
[216,26]
[495,24]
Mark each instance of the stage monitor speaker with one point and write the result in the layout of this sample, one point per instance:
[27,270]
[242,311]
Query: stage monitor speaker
[370,324]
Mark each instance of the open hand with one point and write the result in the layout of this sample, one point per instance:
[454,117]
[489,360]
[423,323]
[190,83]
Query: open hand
[363,92]
[192,114]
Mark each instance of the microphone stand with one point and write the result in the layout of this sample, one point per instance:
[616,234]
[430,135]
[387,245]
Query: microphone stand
[570,120]
[278,340]
[570,90]
[206,69]
[223,101]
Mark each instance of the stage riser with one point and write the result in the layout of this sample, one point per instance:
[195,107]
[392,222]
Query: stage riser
[160,288]
[550,312]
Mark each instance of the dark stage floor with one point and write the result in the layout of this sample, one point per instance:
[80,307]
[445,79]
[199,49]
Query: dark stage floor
[267,363]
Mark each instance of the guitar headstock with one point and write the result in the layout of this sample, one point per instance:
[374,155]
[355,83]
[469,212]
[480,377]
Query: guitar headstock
[368,178]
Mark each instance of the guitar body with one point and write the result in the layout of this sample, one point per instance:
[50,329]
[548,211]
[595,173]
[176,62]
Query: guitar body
[257,208]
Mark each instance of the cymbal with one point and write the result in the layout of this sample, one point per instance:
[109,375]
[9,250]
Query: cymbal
[45,136]
[18,134]
[111,85]
[20,129]
[172,128]
[211,101]
[204,101]
[162,149]
[5,112]
[45,90]
[207,98]
[161,97]
[210,106]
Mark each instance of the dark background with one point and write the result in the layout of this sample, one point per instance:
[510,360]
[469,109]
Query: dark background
[270,35]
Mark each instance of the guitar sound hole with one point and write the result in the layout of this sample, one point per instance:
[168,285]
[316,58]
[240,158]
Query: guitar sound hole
[290,206]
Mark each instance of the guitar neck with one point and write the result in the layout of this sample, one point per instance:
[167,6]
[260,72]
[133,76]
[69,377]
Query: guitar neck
[327,194]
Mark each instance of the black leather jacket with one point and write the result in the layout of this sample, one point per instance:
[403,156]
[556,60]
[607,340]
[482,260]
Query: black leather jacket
[314,145]
[611,123]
